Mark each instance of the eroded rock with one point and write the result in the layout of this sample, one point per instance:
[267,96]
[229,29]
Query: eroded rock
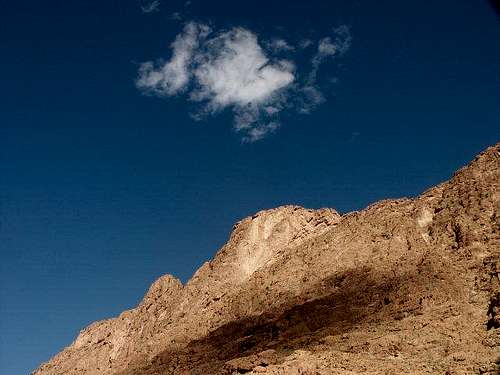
[404,286]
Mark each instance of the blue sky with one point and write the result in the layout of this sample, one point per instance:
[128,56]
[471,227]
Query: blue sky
[107,183]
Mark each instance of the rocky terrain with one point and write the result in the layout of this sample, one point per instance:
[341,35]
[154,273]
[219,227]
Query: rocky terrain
[406,286]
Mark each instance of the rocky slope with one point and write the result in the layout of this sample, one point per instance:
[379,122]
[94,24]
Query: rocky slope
[404,286]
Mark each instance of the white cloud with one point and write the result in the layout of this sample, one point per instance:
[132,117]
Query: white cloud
[311,97]
[279,45]
[328,47]
[176,16]
[259,132]
[305,43]
[235,71]
[230,70]
[172,77]
[149,6]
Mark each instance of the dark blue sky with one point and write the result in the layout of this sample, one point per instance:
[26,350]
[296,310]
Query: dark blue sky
[102,189]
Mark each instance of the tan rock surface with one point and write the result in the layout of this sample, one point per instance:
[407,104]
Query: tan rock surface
[404,286]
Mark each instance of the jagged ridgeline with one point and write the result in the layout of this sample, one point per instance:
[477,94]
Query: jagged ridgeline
[406,286]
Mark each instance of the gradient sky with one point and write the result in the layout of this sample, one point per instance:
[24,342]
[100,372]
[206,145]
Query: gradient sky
[103,189]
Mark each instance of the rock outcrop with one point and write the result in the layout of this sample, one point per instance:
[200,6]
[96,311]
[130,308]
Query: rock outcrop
[404,286]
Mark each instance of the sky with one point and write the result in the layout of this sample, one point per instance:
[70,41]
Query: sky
[134,134]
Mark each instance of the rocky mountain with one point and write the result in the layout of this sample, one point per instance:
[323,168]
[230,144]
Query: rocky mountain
[405,286]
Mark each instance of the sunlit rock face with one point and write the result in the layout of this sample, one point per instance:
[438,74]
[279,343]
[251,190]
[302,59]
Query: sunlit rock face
[403,286]
[262,237]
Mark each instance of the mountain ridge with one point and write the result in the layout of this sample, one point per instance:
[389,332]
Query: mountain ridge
[312,291]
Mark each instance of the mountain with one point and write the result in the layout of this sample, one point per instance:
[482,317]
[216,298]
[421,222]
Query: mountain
[405,286]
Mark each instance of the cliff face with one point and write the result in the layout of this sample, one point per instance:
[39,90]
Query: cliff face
[404,286]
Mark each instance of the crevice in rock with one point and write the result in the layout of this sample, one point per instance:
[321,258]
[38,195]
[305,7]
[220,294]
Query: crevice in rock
[493,312]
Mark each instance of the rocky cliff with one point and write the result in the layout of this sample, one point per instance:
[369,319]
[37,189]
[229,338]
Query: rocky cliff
[404,286]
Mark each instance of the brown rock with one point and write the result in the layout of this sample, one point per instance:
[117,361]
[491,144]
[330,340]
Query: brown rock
[404,286]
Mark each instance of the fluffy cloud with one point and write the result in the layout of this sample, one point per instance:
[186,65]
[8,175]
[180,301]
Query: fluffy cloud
[230,70]
[233,71]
